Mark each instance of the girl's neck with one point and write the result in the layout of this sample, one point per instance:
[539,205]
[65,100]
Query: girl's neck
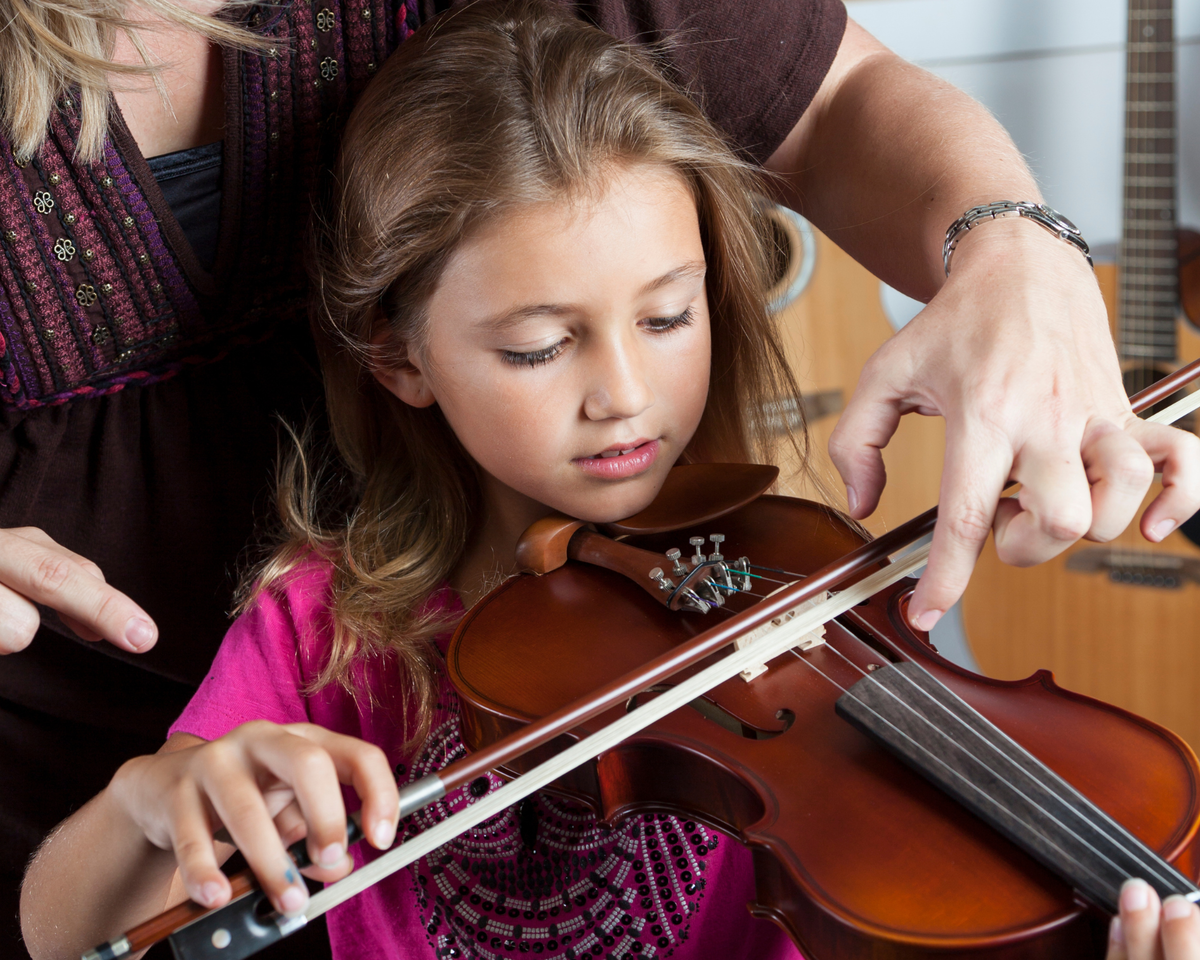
[491,556]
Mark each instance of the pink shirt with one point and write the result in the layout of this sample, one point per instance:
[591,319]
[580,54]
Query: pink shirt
[656,886]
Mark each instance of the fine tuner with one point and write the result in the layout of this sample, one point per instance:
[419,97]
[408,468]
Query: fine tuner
[711,578]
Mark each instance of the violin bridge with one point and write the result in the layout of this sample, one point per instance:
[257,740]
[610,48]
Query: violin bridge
[814,638]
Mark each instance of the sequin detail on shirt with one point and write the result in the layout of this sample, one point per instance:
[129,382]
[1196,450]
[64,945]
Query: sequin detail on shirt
[543,878]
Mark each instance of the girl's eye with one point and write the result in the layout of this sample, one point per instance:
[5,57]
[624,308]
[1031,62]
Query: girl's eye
[663,324]
[535,358]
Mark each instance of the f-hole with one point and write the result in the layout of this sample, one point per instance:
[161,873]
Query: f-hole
[719,715]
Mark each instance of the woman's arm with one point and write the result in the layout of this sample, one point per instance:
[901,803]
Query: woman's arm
[146,841]
[1014,349]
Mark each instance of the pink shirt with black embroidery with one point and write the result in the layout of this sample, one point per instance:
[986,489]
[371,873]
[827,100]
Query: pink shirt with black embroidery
[545,880]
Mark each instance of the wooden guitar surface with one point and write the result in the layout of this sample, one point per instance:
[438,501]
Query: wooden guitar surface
[1136,646]
[829,332]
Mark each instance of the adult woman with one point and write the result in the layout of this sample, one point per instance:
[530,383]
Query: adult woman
[144,358]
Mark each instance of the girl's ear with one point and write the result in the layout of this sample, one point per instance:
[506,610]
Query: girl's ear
[404,379]
[406,382]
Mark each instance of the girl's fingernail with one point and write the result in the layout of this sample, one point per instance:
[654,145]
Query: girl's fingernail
[293,899]
[1162,528]
[1176,908]
[1135,895]
[209,892]
[851,499]
[139,633]
[332,855]
[1115,933]
[928,620]
[384,834]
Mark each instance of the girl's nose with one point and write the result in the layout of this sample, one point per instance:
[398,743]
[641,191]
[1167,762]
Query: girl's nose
[619,386]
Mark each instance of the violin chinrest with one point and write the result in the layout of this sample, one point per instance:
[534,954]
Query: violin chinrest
[696,493]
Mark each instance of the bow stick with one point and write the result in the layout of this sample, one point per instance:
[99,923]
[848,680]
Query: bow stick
[779,623]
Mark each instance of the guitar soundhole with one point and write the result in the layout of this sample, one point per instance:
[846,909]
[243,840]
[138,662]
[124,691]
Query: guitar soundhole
[779,245]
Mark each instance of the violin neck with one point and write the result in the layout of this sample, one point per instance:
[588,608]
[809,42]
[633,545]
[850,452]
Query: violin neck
[945,740]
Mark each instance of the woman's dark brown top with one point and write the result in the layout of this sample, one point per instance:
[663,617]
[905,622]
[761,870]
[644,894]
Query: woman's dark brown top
[139,391]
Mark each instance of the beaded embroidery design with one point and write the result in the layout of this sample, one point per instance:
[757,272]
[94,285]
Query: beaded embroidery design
[545,879]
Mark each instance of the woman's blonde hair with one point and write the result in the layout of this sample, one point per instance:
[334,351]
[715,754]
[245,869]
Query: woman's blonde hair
[487,109]
[54,48]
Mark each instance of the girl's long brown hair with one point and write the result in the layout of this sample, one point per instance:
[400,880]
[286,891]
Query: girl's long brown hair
[488,108]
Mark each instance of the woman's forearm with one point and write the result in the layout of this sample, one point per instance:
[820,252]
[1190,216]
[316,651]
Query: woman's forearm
[889,156]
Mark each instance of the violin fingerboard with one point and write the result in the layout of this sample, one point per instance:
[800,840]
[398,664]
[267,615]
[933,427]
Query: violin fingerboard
[943,738]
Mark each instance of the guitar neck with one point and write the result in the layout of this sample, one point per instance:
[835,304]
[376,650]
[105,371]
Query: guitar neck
[1149,268]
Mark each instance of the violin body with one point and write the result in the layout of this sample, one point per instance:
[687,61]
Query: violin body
[855,855]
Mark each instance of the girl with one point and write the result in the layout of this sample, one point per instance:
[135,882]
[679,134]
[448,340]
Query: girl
[565,301]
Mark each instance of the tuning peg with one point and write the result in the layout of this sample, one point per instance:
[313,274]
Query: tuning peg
[717,539]
[698,558]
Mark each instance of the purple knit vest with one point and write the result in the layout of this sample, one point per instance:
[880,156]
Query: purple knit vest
[94,293]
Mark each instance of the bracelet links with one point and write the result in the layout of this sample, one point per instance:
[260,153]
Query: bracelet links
[1039,213]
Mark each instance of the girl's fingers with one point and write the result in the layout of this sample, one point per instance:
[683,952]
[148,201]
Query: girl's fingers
[308,768]
[192,840]
[233,790]
[1176,455]
[1139,922]
[1180,929]
[1119,472]
[364,767]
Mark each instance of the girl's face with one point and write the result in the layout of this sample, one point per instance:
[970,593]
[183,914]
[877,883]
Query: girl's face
[568,347]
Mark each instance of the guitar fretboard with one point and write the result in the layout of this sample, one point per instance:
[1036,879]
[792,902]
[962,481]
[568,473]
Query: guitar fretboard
[1148,258]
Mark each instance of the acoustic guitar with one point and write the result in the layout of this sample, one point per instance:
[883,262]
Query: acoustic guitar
[1120,621]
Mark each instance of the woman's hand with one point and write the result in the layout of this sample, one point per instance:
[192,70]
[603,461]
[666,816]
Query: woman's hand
[34,569]
[268,786]
[1149,930]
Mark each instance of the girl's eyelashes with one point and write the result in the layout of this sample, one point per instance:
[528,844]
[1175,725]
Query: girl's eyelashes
[535,358]
[663,324]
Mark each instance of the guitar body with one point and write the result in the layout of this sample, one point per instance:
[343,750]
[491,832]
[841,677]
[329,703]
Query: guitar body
[829,332]
[1131,644]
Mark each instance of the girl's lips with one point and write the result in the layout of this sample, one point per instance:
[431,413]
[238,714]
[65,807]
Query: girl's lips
[630,464]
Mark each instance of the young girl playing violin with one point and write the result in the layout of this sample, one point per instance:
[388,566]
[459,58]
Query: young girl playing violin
[565,301]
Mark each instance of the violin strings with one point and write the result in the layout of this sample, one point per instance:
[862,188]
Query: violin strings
[1115,840]
[1066,855]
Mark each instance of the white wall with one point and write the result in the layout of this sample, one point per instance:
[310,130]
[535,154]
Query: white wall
[1052,71]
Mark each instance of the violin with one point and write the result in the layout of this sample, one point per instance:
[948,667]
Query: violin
[862,832]
[855,854]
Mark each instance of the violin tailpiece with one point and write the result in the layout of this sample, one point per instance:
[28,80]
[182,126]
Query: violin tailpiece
[936,733]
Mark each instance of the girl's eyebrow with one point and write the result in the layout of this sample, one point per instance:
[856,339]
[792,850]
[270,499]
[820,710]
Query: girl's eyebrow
[510,318]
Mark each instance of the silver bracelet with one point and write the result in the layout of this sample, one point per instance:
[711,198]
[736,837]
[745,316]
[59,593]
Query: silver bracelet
[1039,213]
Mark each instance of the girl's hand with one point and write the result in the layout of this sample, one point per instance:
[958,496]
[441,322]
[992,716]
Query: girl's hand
[268,786]
[1149,930]
[34,569]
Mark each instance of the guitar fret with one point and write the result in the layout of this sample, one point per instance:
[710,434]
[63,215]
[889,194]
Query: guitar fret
[1167,263]
[1152,296]
[1148,204]
[1155,182]
[1136,351]
[1150,244]
[1140,77]
[1150,106]
[1150,46]
[1152,280]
